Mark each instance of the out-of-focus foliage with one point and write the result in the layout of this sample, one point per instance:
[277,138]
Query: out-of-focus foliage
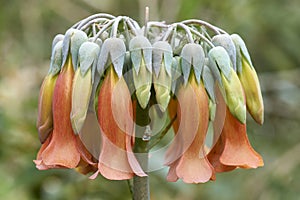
[270,28]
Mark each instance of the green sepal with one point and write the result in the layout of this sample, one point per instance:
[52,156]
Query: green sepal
[71,44]
[220,58]
[88,55]
[209,83]
[162,52]
[241,51]
[140,49]
[56,39]
[192,55]
[112,52]
[225,41]
[176,72]
[56,59]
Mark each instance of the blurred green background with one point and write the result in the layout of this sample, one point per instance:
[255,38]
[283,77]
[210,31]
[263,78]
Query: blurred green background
[271,30]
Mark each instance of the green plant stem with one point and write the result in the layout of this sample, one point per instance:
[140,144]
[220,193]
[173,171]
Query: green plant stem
[141,190]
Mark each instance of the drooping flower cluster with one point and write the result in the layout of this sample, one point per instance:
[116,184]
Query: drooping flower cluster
[104,67]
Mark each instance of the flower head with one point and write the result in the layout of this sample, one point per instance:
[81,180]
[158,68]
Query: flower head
[95,105]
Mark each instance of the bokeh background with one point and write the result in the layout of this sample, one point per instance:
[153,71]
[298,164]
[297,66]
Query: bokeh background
[271,30]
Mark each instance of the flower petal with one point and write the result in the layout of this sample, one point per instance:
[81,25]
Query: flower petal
[115,119]
[237,150]
[62,148]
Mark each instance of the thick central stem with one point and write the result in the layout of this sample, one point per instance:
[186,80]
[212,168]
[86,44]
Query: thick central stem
[141,190]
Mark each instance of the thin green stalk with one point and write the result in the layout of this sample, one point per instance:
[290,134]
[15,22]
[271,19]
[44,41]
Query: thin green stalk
[141,190]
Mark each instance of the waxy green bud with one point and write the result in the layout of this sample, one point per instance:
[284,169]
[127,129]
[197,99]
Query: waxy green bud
[141,57]
[162,80]
[254,100]
[249,80]
[82,84]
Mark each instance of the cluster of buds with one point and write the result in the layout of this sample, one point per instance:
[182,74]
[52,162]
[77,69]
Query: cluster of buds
[106,69]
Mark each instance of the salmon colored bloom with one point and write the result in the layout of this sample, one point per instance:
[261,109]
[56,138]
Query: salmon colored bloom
[233,148]
[96,111]
[192,165]
[116,161]
[61,149]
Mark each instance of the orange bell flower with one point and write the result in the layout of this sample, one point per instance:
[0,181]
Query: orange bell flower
[192,165]
[116,160]
[233,148]
[62,149]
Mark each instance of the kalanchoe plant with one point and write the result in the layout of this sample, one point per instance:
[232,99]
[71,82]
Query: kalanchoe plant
[110,71]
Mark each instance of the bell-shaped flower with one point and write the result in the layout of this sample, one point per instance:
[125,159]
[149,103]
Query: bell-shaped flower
[249,80]
[232,90]
[62,149]
[187,158]
[233,148]
[45,116]
[141,57]
[162,80]
[82,84]
[116,160]
[115,117]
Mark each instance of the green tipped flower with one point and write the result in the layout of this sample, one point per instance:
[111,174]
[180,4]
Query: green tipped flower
[254,101]
[141,57]
[45,115]
[249,80]
[229,82]
[82,84]
[162,80]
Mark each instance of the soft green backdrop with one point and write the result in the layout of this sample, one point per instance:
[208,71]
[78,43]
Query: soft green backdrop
[271,30]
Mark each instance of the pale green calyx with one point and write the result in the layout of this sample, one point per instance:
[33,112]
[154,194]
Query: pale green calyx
[225,41]
[88,54]
[192,55]
[140,49]
[241,51]
[162,54]
[56,39]
[209,82]
[71,44]
[113,52]
[56,59]
[219,61]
